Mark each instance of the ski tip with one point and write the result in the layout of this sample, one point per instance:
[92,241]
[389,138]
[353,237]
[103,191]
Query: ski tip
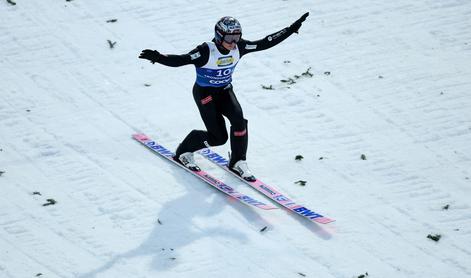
[140,136]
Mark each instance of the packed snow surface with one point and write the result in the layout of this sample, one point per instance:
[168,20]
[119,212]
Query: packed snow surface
[375,95]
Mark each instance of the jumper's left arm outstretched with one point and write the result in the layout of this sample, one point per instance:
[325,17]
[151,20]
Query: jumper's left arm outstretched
[246,46]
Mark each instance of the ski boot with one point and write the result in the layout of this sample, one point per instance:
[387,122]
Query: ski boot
[187,159]
[241,169]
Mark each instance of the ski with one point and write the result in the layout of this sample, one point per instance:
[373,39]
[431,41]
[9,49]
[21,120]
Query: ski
[267,190]
[162,151]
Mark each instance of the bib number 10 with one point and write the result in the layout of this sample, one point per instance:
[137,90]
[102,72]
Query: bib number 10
[221,73]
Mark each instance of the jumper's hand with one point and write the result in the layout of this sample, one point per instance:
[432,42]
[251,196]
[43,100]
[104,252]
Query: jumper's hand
[151,55]
[297,24]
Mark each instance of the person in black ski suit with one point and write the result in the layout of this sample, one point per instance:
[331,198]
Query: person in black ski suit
[213,93]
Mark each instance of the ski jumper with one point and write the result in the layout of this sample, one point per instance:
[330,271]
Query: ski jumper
[214,95]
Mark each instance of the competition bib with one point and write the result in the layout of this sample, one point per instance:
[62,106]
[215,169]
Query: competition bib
[217,72]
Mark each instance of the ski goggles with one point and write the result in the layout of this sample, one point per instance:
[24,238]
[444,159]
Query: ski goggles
[230,38]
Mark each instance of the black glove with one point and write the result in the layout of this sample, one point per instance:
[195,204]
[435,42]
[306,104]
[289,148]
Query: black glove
[151,55]
[297,24]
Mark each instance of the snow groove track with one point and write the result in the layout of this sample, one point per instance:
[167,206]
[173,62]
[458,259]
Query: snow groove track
[390,81]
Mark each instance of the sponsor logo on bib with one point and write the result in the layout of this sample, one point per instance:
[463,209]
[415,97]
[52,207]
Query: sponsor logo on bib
[225,61]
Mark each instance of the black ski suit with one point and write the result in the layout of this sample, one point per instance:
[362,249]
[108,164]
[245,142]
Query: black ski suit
[215,102]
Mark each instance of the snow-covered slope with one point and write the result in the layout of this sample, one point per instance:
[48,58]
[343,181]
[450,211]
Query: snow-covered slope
[390,81]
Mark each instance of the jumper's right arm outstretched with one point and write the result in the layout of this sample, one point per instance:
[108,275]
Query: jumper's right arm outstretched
[198,56]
